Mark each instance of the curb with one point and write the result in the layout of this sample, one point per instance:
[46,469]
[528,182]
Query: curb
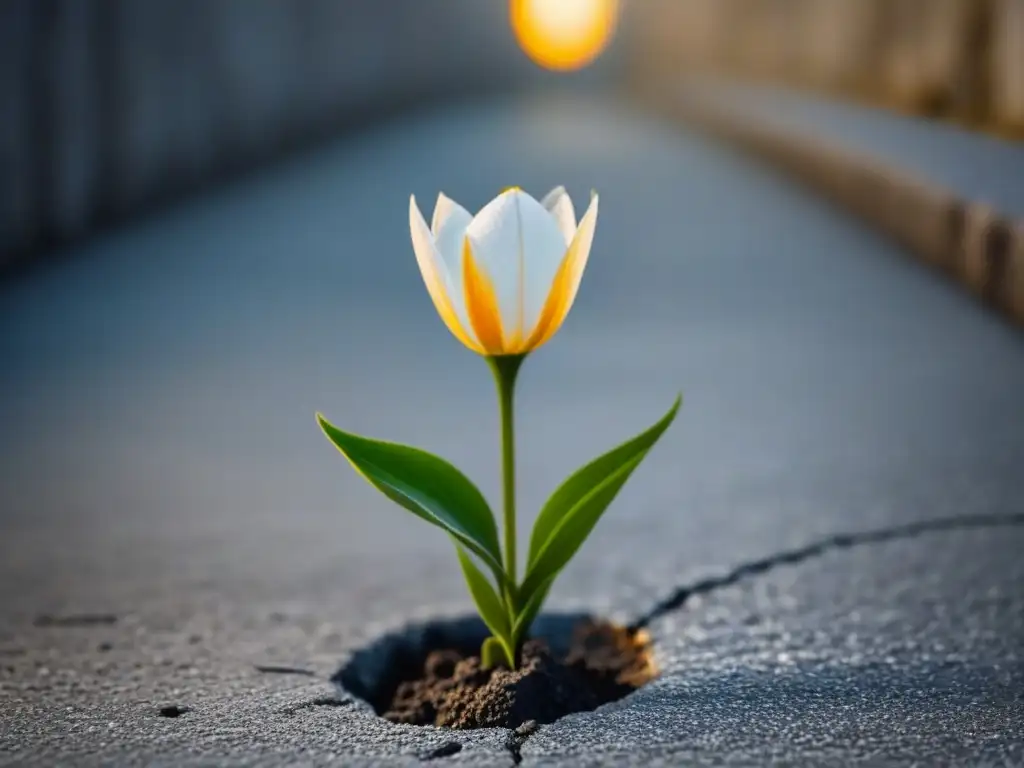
[968,240]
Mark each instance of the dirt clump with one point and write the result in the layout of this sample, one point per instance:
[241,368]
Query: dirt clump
[604,663]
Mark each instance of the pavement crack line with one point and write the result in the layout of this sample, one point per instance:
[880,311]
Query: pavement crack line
[447,749]
[517,737]
[829,544]
[272,669]
[320,701]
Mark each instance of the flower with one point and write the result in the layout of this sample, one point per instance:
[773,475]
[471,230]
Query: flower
[504,280]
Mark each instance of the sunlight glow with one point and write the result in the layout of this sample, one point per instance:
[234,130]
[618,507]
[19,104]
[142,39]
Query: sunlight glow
[563,34]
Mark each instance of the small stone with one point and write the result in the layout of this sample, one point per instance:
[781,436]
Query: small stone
[524,730]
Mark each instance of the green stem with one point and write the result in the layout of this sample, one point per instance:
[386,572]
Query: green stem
[506,368]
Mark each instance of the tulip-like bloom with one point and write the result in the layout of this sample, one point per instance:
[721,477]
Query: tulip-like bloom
[504,280]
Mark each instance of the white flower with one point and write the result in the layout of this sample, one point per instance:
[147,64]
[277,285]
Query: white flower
[504,280]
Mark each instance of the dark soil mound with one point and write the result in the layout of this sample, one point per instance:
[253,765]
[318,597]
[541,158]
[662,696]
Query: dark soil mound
[604,663]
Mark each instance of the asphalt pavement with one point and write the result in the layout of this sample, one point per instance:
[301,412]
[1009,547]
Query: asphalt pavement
[185,561]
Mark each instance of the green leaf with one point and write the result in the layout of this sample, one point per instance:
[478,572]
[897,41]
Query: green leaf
[492,609]
[427,486]
[574,508]
[529,612]
[495,653]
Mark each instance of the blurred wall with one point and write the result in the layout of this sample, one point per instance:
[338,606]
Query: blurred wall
[961,59]
[110,105]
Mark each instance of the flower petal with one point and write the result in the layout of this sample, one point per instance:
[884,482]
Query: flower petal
[481,303]
[558,203]
[566,282]
[437,278]
[443,208]
[518,244]
[449,227]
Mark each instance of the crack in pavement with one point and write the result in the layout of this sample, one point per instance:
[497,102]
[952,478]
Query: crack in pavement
[829,544]
[517,737]
[447,749]
[320,701]
[271,669]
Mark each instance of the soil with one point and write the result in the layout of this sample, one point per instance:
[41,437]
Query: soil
[603,664]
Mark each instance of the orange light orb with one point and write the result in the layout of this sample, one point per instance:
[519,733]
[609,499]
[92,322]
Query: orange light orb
[563,34]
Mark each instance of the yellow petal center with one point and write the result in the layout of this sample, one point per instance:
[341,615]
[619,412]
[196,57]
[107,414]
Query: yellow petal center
[481,303]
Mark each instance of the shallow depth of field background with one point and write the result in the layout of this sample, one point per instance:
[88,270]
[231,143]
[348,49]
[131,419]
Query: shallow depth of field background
[113,108]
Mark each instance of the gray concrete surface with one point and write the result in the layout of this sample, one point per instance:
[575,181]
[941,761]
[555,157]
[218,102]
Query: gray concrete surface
[976,166]
[171,517]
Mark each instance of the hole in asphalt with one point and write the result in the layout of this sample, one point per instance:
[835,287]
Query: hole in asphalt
[429,674]
[173,710]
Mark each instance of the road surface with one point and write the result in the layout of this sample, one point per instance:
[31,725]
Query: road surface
[172,518]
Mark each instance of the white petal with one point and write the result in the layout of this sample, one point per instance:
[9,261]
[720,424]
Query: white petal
[519,244]
[444,286]
[449,228]
[442,210]
[563,291]
[559,204]
[582,243]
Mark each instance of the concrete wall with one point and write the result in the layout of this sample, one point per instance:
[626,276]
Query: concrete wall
[110,105]
[962,59]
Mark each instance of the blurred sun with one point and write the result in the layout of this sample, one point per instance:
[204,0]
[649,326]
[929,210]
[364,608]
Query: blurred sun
[564,34]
